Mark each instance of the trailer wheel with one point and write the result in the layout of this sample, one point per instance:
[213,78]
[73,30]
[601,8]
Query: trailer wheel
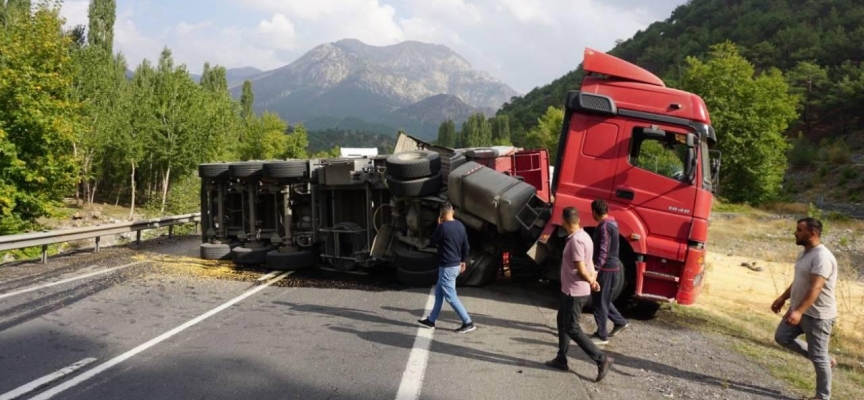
[215,171]
[250,256]
[211,251]
[418,279]
[290,261]
[245,169]
[413,164]
[412,260]
[286,169]
[455,161]
[414,188]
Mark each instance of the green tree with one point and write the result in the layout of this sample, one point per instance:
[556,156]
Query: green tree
[265,138]
[809,82]
[10,10]
[247,100]
[501,130]
[750,113]
[102,14]
[545,134]
[296,143]
[38,117]
[447,134]
[476,131]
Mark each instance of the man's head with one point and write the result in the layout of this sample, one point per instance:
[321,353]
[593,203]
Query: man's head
[447,210]
[599,209]
[570,219]
[809,232]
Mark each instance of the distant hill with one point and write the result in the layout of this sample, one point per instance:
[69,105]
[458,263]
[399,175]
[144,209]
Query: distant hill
[350,79]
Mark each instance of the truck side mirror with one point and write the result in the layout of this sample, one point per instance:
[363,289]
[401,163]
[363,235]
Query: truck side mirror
[691,140]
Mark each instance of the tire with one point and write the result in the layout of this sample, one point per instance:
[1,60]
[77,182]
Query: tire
[409,165]
[483,271]
[455,161]
[210,251]
[290,261]
[286,169]
[215,171]
[417,279]
[414,188]
[245,170]
[412,260]
[250,256]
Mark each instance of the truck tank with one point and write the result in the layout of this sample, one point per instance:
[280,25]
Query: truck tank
[490,195]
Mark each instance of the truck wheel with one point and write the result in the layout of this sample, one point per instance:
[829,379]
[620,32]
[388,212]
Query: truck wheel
[413,164]
[414,188]
[210,251]
[286,169]
[250,256]
[245,169]
[419,279]
[483,271]
[215,171]
[412,260]
[290,261]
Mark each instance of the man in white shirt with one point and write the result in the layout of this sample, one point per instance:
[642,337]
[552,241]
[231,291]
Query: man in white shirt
[812,306]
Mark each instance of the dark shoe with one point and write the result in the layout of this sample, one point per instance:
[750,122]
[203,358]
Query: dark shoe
[558,363]
[465,328]
[602,369]
[618,329]
[427,323]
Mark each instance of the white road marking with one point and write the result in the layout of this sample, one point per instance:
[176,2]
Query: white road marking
[412,378]
[268,276]
[131,353]
[85,276]
[45,380]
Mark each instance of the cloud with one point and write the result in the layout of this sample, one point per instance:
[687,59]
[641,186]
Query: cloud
[185,28]
[75,12]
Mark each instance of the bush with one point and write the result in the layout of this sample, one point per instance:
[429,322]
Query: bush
[802,153]
[836,151]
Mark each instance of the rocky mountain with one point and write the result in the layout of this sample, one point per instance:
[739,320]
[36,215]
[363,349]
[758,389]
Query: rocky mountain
[236,76]
[423,117]
[380,84]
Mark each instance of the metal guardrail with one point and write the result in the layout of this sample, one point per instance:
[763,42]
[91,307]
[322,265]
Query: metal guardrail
[35,239]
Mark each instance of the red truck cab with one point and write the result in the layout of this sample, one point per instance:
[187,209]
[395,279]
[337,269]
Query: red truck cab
[644,149]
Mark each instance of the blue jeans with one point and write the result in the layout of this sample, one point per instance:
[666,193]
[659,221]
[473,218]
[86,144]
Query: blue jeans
[446,289]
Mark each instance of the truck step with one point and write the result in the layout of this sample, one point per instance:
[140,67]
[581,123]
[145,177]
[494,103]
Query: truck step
[661,276]
[655,297]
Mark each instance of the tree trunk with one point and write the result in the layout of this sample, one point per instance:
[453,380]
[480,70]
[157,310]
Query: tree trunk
[119,192]
[132,183]
[165,189]
[78,183]
[93,192]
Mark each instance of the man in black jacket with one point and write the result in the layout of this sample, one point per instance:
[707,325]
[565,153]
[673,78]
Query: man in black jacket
[608,273]
[452,242]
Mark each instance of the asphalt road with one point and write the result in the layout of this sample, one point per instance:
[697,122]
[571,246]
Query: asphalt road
[157,323]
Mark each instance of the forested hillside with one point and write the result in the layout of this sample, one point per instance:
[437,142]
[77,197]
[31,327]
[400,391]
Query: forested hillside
[818,44]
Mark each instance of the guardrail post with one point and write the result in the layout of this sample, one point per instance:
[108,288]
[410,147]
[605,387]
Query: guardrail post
[44,254]
[196,228]
[170,231]
[138,238]
[97,243]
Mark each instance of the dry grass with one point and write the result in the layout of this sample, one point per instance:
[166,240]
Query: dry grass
[736,301]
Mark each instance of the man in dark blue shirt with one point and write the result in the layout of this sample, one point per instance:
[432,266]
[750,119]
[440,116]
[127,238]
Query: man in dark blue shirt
[452,242]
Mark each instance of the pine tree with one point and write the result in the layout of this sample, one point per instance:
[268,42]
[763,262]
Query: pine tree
[247,99]
[102,14]
[447,134]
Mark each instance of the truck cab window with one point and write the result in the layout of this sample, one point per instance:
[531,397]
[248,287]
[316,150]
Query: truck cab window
[661,153]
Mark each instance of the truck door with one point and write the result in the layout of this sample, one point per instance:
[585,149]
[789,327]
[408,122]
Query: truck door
[655,175]
[589,167]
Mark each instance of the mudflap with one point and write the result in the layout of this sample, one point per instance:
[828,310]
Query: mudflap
[382,243]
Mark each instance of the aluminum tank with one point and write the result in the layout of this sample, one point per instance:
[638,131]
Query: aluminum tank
[488,194]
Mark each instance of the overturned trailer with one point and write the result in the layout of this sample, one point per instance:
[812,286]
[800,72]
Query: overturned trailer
[354,213]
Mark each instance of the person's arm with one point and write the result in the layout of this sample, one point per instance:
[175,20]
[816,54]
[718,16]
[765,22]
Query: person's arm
[603,238]
[465,249]
[778,304]
[579,261]
[436,236]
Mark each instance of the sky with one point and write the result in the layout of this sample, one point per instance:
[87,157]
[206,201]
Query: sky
[524,43]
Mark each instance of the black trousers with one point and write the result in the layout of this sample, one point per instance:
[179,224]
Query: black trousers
[568,328]
[602,302]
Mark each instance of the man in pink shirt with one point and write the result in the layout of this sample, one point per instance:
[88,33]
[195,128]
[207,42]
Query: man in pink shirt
[578,279]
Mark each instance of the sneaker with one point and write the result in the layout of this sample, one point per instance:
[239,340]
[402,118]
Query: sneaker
[618,329]
[598,341]
[558,363]
[602,369]
[465,328]
[427,323]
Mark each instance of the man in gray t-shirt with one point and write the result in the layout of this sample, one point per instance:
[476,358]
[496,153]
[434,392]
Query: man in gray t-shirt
[812,306]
